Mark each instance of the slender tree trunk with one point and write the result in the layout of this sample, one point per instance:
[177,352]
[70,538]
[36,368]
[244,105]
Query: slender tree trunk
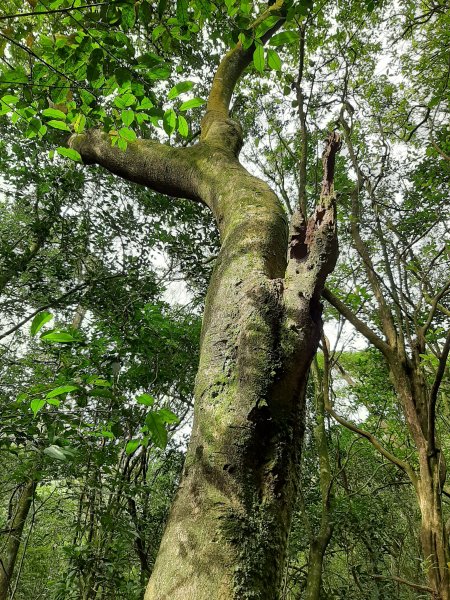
[14,532]
[431,478]
[318,546]
[434,539]
[315,566]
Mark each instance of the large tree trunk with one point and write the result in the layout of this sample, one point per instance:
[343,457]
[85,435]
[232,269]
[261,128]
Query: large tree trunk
[227,531]
[14,532]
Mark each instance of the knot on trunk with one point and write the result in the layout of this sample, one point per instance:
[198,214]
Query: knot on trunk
[87,144]
[225,134]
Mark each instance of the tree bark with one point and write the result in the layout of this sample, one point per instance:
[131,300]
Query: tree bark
[14,532]
[227,532]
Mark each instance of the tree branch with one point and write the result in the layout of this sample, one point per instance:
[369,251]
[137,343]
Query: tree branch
[163,168]
[50,12]
[359,325]
[233,65]
[52,303]
[404,466]
[435,389]
[414,586]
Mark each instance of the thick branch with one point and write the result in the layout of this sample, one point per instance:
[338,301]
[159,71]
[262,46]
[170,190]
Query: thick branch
[165,169]
[233,65]
[435,390]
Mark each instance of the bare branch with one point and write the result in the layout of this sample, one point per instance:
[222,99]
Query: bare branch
[414,586]
[359,325]
[404,466]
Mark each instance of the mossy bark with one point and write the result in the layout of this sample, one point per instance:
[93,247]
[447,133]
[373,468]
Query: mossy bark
[227,532]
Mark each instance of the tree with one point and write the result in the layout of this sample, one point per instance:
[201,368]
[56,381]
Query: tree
[227,532]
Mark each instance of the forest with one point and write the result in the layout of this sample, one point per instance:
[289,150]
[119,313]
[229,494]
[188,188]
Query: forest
[224,299]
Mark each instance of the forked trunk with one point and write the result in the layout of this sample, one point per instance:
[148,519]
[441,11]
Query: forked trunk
[227,532]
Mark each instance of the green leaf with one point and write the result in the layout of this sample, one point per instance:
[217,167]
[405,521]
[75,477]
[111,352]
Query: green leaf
[285,37]
[53,402]
[127,134]
[182,11]
[101,383]
[39,320]
[69,153]
[145,104]
[145,399]
[8,99]
[79,123]
[168,416]
[169,121]
[182,126]
[87,97]
[132,445]
[193,103]
[36,405]
[128,16]
[258,58]
[60,337]
[127,117]
[156,429]
[125,100]
[64,389]
[161,7]
[180,88]
[159,72]
[55,452]
[273,60]
[53,113]
[107,434]
[58,125]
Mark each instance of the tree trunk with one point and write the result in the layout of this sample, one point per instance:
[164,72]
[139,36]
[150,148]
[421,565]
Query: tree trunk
[315,566]
[227,531]
[14,532]
[433,535]
[319,544]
